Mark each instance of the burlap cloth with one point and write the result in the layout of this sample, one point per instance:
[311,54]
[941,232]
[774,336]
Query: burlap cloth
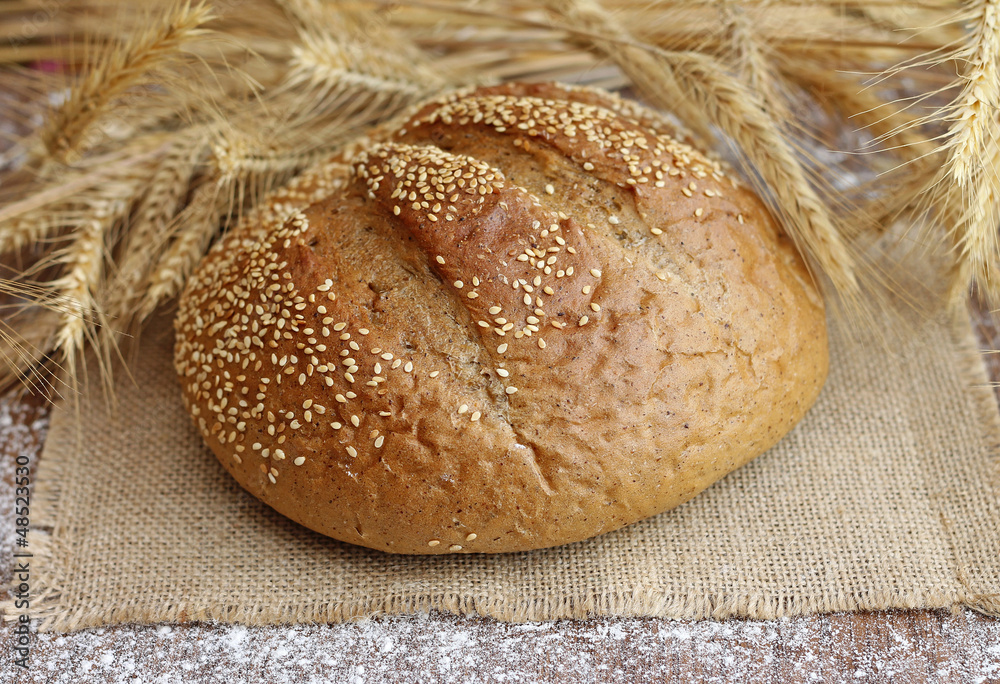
[886,496]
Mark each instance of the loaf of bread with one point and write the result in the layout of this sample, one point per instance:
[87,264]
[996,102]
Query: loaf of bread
[523,316]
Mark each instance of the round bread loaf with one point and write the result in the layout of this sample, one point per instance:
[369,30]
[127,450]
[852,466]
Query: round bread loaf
[526,316]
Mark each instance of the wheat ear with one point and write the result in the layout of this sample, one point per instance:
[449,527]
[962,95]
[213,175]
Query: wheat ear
[83,261]
[740,114]
[749,54]
[194,227]
[969,175]
[148,234]
[656,83]
[119,68]
[976,241]
[705,87]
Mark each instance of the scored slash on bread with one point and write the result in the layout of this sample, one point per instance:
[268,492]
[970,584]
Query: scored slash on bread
[523,316]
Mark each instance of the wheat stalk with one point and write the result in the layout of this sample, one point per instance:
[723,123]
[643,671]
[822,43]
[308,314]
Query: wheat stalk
[741,115]
[705,86]
[749,54]
[976,240]
[83,261]
[659,85]
[120,68]
[63,191]
[969,175]
[147,236]
[194,229]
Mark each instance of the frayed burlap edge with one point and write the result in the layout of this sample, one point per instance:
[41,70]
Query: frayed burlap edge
[975,378]
[50,615]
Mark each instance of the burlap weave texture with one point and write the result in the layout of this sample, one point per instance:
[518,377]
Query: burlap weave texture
[886,496]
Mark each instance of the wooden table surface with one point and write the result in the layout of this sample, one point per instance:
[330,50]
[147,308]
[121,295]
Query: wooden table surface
[899,646]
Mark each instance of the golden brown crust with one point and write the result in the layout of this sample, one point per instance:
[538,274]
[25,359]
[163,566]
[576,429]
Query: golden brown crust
[522,319]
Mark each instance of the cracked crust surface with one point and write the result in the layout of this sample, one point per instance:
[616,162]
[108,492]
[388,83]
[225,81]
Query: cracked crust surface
[526,317]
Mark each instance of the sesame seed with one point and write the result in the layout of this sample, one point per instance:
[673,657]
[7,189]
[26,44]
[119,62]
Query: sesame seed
[439,259]
[495,310]
[471,536]
[613,220]
[584,320]
[455,547]
[541,343]
[476,415]
[595,306]
[656,231]
[586,289]
[299,461]
[352,452]
[699,211]
[433,542]
[595,272]
[511,390]
[459,284]
[336,426]
[549,189]
[271,478]
[434,374]
[463,408]
[363,331]
[408,367]
[279,455]
[355,421]
[503,372]
[527,300]
[379,441]
[395,210]
[502,348]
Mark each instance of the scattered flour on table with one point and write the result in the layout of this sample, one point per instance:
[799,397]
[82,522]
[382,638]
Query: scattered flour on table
[22,430]
[444,648]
